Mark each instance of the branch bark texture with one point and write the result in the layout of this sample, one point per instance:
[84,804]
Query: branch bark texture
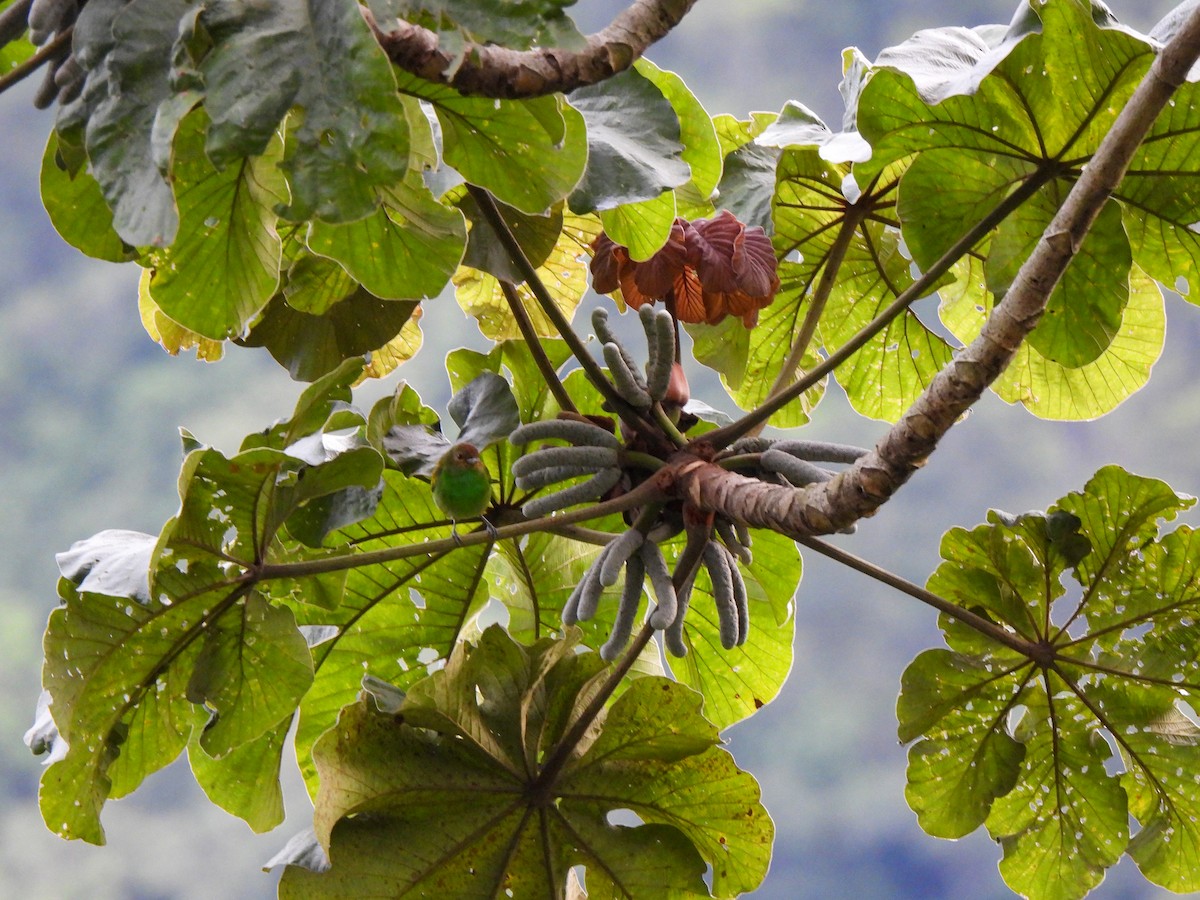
[493,71]
[867,485]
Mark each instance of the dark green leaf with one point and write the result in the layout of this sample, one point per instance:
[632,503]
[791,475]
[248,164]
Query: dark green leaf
[228,674]
[537,235]
[309,346]
[407,249]
[351,137]
[127,114]
[459,787]
[634,151]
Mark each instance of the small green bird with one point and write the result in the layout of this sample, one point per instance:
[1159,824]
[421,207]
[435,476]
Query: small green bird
[462,487]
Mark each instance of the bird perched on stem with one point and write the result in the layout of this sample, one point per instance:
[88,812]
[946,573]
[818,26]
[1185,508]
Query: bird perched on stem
[462,487]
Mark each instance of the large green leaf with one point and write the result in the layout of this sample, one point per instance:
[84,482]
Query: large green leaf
[113,700]
[78,209]
[350,135]
[701,148]
[529,153]
[310,346]
[128,112]
[634,149]
[822,219]
[1017,725]
[1047,388]
[396,618]
[747,183]
[137,668]
[537,235]
[456,775]
[223,265]
[245,781]
[407,249]
[1024,111]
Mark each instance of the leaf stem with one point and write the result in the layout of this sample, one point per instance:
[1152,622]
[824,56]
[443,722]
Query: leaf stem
[829,274]
[972,620]
[668,427]
[487,206]
[646,492]
[540,359]
[727,434]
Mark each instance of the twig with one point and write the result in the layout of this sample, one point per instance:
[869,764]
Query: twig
[39,59]
[997,633]
[487,205]
[525,325]
[646,492]
[727,434]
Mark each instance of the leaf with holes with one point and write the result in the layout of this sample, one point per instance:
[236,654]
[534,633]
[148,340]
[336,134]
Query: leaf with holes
[1045,688]
[471,774]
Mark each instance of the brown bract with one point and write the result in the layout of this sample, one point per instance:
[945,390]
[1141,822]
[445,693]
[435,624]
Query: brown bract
[707,270]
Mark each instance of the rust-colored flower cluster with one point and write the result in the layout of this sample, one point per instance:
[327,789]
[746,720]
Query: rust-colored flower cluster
[707,270]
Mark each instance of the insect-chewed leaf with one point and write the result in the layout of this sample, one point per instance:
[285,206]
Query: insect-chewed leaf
[456,778]
[1017,723]
[137,663]
[399,616]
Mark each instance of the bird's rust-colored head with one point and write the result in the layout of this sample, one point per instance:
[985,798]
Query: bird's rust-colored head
[464,454]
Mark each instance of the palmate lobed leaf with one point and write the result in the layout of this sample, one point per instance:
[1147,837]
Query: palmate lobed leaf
[818,213]
[1021,733]
[451,775]
[395,618]
[988,113]
[197,652]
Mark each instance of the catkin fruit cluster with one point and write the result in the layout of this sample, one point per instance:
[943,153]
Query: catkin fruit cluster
[640,391]
[641,558]
[592,451]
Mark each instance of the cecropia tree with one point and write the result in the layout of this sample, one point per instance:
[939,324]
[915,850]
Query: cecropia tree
[302,177]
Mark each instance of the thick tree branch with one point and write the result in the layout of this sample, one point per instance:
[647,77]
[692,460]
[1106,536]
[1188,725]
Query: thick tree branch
[493,71]
[867,485]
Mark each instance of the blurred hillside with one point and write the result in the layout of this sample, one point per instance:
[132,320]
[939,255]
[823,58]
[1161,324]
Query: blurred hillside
[90,409]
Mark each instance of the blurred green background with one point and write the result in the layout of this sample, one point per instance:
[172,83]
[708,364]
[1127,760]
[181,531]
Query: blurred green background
[89,409]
